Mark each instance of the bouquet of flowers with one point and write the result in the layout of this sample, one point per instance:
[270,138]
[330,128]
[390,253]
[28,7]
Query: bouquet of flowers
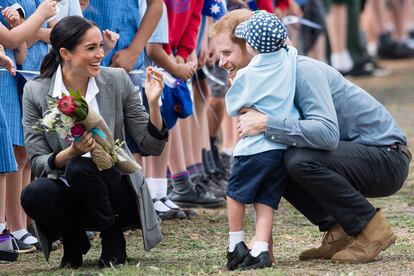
[70,117]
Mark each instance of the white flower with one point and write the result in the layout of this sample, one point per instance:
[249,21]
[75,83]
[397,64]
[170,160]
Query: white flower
[67,121]
[63,131]
[49,120]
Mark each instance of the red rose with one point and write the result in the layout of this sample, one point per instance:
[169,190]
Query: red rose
[77,130]
[67,105]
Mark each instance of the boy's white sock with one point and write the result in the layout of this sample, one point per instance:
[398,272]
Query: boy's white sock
[259,247]
[2,227]
[235,238]
[20,233]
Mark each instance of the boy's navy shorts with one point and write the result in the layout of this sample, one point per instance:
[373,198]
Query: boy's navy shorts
[258,178]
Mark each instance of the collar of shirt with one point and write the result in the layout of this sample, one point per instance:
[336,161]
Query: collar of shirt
[272,57]
[91,91]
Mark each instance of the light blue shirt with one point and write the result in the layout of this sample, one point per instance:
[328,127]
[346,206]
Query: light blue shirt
[332,109]
[255,86]
[67,8]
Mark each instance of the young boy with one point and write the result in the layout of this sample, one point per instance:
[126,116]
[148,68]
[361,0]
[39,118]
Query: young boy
[258,175]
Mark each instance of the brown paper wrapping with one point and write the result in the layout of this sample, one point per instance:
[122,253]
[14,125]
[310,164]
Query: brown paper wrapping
[101,154]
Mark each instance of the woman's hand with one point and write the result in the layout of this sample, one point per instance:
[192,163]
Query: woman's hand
[154,84]
[86,144]
[47,9]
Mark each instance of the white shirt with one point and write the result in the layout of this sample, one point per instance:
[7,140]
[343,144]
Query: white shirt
[90,96]
[91,91]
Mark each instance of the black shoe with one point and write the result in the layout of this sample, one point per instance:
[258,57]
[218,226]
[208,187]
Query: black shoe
[190,213]
[219,178]
[196,196]
[227,160]
[113,249]
[261,261]
[237,256]
[22,247]
[167,215]
[8,256]
[389,49]
[180,214]
[74,262]
[208,183]
[75,244]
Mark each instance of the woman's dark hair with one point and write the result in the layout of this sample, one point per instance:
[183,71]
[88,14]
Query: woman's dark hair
[67,33]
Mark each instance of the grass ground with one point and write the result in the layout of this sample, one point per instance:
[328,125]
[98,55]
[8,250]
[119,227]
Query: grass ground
[197,246]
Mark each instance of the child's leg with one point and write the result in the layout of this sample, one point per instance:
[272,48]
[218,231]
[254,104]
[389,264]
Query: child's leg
[235,211]
[264,221]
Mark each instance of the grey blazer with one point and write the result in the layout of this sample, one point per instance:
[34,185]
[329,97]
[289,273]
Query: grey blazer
[120,106]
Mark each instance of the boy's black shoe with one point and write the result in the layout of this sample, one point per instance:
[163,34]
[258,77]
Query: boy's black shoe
[261,261]
[237,256]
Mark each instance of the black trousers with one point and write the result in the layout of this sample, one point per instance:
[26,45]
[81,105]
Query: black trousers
[95,200]
[330,187]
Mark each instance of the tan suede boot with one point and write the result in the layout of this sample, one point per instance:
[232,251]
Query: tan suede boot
[335,240]
[375,237]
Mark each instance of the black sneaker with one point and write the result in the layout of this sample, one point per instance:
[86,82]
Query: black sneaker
[196,196]
[237,256]
[207,182]
[261,261]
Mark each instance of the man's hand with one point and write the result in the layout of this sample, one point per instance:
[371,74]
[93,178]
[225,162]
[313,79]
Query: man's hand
[125,58]
[251,122]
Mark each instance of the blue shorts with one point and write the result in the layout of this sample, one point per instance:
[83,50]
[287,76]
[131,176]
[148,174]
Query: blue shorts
[258,178]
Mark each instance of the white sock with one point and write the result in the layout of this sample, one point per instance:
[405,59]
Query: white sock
[235,238]
[228,151]
[259,247]
[336,61]
[154,186]
[342,61]
[161,207]
[2,227]
[161,190]
[347,61]
[20,233]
